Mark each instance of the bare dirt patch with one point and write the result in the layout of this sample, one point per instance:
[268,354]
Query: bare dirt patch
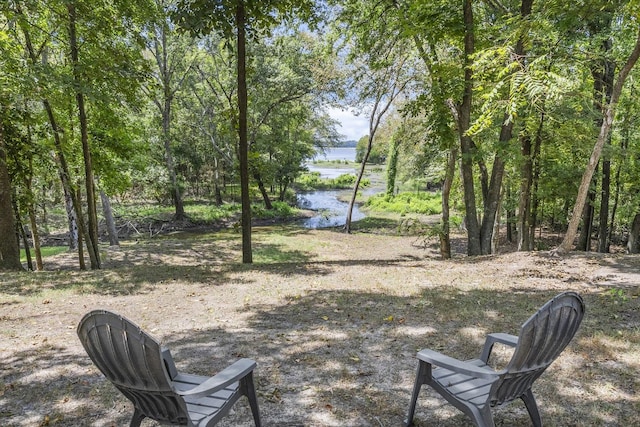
[333,320]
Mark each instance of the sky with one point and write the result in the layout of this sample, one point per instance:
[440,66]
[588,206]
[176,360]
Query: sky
[351,126]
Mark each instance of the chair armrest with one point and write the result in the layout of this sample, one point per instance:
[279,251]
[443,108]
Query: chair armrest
[502,338]
[441,360]
[222,379]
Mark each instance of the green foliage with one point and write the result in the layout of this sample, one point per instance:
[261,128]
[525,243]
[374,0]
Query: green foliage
[280,210]
[202,17]
[378,152]
[404,203]
[312,181]
[197,211]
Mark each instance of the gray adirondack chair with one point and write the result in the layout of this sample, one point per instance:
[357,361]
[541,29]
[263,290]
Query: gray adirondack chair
[475,388]
[146,374]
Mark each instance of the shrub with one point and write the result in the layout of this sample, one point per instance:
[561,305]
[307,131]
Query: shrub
[403,203]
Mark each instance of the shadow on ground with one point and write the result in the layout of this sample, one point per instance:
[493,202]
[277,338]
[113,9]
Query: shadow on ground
[346,358]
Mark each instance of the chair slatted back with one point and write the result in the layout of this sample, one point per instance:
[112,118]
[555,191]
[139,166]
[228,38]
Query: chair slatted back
[132,360]
[541,340]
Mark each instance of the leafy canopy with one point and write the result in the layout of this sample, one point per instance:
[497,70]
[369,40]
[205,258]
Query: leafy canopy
[201,17]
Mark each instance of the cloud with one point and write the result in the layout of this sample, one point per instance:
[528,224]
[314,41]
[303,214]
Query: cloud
[351,126]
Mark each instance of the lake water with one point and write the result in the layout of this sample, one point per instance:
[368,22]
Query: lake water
[334,154]
[338,153]
[331,211]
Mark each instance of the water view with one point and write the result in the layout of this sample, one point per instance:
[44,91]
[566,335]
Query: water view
[331,211]
[338,153]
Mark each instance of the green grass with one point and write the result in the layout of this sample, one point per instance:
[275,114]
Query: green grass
[404,203]
[45,250]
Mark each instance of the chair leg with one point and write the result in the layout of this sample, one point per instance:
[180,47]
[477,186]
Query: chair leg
[481,417]
[532,408]
[137,418]
[250,392]
[423,376]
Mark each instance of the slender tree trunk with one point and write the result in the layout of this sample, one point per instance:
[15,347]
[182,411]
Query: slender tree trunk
[524,202]
[164,105]
[176,195]
[35,238]
[392,165]
[22,235]
[527,204]
[379,109]
[618,184]
[263,190]
[464,111]
[535,201]
[243,140]
[586,231]
[491,203]
[81,235]
[609,115]
[217,181]
[9,248]
[63,167]
[92,213]
[605,185]
[25,243]
[605,195]
[356,186]
[445,235]
[511,218]
[72,218]
[108,218]
[633,244]
[31,208]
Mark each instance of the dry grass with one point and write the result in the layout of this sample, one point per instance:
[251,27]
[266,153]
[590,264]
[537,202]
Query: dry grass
[333,321]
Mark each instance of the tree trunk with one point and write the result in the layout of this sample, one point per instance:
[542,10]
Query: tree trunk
[605,185]
[524,202]
[511,219]
[108,218]
[263,190]
[491,204]
[81,235]
[164,105]
[586,231]
[528,203]
[217,181]
[492,201]
[535,202]
[31,207]
[243,140]
[65,177]
[445,235]
[392,166]
[22,235]
[92,214]
[609,115]
[633,244]
[623,145]
[9,248]
[356,186]
[464,112]
[72,218]
[35,238]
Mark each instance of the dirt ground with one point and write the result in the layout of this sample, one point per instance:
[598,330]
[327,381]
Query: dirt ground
[333,320]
